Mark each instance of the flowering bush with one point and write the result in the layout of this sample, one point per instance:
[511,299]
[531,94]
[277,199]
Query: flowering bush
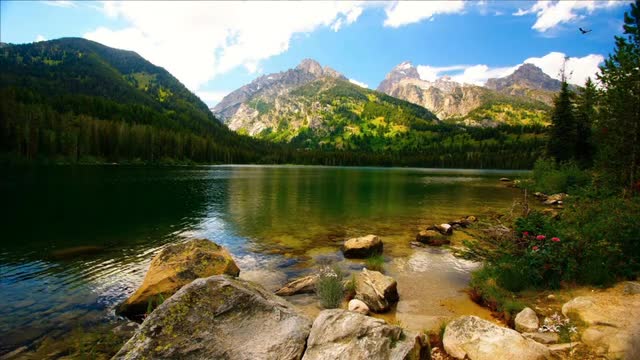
[559,325]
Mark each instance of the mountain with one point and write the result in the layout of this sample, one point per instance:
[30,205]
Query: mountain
[515,102]
[315,106]
[73,98]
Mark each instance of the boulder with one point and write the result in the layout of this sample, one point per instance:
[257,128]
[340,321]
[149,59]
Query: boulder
[477,339]
[542,337]
[431,237]
[175,266]
[555,199]
[527,321]
[376,290]
[340,334]
[302,285]
[358,306]
[362,247]
[444,229]
[220,317]
[612,319]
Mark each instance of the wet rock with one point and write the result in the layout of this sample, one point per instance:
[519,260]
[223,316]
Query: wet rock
[463,222]
[477,339]
[431,237]
[362,247]
[505,179]
[175,266]
[527,321]
[612,320]
[340,334]
[220,317]
[542,338]
[472,218]
[555,199]
[358,306]
[126,330]
[444,229]
[302,285]
[15,354]
[376,290]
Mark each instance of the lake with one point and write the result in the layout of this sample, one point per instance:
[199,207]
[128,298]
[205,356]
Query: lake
[78,239]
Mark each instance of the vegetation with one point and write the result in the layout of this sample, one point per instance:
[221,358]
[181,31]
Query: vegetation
[329,288]
[594,241]
[375,262]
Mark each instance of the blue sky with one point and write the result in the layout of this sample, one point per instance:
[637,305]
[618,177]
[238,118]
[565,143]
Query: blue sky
[216,47]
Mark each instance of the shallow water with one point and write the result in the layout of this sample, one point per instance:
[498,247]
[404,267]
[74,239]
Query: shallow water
[78,240]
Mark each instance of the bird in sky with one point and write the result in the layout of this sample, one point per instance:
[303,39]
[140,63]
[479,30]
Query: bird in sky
[583,31]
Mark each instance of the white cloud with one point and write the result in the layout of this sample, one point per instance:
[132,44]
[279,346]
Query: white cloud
[401,13]
[361,84]
[196,41]
[40,38]
[60,3]
[212,97]
[577,69]
[553,13]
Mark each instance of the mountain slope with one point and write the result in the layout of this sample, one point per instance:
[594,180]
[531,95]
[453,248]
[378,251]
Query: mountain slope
[469,104]
[77,98]
[314,106]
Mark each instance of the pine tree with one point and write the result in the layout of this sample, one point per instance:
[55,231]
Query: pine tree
[585,116]
[619,123]
[563,134]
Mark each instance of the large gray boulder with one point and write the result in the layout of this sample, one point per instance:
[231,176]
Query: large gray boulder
[362,247]
[376,290]
[477,339]
[220,318]
[340,334]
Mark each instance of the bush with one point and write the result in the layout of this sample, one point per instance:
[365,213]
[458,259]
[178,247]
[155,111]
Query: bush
[375,262]
[329,288]
[550,177]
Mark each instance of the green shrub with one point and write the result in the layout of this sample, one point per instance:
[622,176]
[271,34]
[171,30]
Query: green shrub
[375,262]
[550,177]
[329,288]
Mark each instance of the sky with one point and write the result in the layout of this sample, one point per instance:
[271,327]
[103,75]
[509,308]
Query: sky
[215,47]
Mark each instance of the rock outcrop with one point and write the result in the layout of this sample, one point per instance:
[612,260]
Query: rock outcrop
[362,247]
[220,318]
[376,290]
[340,334]
[527,321]
[613,320]
[476,339]
[175,266]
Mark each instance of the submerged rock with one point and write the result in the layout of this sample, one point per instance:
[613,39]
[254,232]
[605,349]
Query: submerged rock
[376,290]
[527,321]
[220,318]
[340,334]
[432,237]
[175,266]
[477,339]
[362,247]
[302,285]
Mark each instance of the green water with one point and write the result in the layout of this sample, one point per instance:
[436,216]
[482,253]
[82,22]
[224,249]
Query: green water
[77,240]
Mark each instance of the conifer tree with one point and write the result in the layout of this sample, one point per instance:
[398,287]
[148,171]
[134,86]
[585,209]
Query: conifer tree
[585,116]
[563,134]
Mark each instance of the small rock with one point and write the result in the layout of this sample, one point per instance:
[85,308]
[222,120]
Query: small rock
[358,306]
[460,223]
[527,321]
[472,218]
[551,297]
[431,237]
[376,290]
[362,247]
[542,338]
[555,199]
[306,284]
[505,179]
[631,288]
[444,229]
[563,347]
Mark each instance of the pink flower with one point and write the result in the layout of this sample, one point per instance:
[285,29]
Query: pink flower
[541,237]
[535,248]
[525,233]
[555,239]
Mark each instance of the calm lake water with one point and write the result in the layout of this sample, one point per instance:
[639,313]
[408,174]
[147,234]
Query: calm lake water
[77,240]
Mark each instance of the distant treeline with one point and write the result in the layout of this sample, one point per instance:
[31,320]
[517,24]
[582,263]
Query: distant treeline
[34,129]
